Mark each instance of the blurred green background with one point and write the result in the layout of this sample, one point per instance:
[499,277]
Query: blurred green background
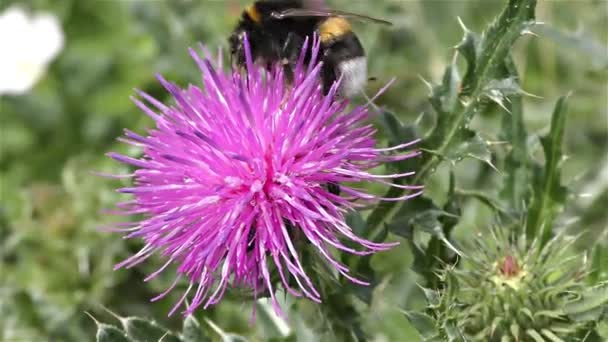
[55,265]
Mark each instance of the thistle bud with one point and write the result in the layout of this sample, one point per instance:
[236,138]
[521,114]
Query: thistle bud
[506,289]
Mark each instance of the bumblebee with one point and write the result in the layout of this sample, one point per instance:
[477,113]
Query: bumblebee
[276,31]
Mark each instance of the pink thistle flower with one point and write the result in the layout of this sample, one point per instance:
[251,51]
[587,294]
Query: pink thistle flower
[233,171]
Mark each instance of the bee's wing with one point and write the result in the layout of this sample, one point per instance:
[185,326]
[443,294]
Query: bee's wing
[305,12]
[316,5]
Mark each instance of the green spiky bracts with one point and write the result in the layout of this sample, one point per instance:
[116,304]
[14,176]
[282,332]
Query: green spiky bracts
[505,289]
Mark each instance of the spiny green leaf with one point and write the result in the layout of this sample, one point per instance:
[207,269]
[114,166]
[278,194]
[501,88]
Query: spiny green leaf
[110,333]
[548,193]
[454,333]
[592,299]
[422,264]
[535,335]
[483,197]
[142,330]
[234,338]
[563,328]
[514,329]
[469,145]
[505,86]
[496,322]
[550,335]
[444,97]
[225,336]
[496,41]
[515,189]
[432,297]
[192,330]
[549,314]
[364,270]
[469,48]
[398,133]
[528,313]
[426,221]
[594,336]
[422,214]
[486,59]
[290,338]
[425,325]
[599,270]
[451,282]
[356,223]
[271,324]
[169,337]
[500,91]
[591,315]
[393,128]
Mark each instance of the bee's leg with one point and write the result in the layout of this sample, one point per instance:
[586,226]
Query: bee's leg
[328,75]
[333,188]
[233,63]
[289,56]
[288,72]
[251,236]
[286,46]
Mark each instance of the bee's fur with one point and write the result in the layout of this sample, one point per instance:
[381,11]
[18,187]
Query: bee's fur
[280,40]
[354,76]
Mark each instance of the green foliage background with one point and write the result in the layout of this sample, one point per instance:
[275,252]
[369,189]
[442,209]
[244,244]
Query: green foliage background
[54,264]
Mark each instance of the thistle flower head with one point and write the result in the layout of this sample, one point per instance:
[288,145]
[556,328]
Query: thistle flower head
[238,170]
[511,290]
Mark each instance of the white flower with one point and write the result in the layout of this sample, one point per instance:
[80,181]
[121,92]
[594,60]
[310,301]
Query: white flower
[28,43]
